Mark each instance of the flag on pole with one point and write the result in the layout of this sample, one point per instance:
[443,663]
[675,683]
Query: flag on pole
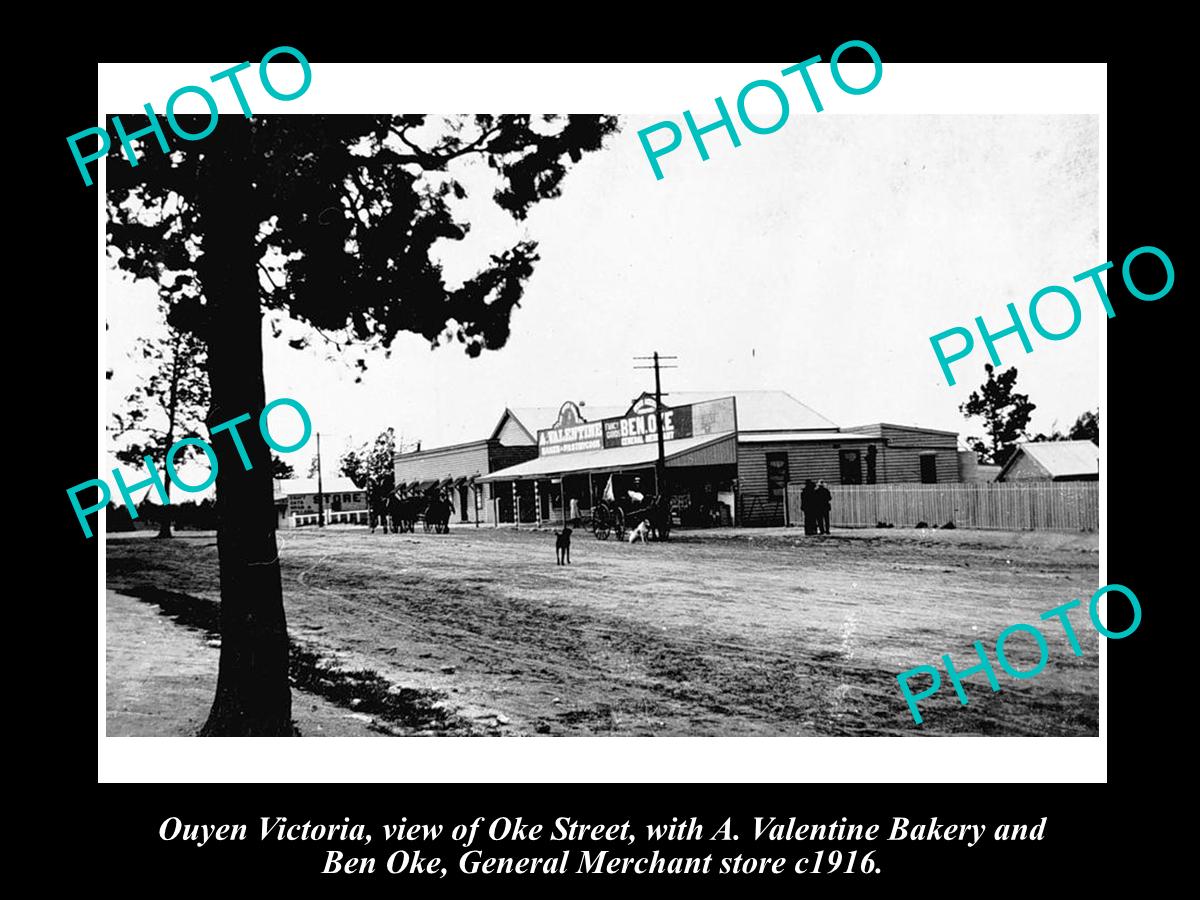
[608,490]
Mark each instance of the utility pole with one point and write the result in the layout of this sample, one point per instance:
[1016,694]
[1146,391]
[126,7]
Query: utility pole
[660,472]
[320,489]
[660,468]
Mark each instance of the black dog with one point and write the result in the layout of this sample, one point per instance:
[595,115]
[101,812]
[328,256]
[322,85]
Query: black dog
[562,546]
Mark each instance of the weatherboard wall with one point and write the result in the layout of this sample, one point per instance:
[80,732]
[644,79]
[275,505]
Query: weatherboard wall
[807,459]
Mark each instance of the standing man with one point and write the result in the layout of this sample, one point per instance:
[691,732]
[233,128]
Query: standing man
[824,501]
[808,506]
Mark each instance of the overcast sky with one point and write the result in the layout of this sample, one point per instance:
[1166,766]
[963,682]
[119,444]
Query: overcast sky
[817,260]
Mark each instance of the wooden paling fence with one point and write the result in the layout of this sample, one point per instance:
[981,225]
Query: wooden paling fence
[1013,506]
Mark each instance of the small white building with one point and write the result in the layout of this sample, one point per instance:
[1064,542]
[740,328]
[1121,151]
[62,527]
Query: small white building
[296,502]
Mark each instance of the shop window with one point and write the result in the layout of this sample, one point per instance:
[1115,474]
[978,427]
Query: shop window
[777,475]
[850,462]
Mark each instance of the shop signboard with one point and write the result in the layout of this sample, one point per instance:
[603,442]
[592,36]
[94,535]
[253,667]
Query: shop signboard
[573,434]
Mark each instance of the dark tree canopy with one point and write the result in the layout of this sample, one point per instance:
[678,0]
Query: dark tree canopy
[1005,413]
[353,464]
[281,469]
[372,467]
[348,211]
[1086,428]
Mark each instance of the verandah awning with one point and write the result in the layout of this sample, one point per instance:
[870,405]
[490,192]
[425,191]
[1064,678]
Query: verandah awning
[613,460]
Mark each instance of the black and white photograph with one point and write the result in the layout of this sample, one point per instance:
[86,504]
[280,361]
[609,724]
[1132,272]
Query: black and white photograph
[625,471]
[590,452]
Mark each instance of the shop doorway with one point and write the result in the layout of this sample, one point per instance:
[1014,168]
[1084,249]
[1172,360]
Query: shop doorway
[928,468]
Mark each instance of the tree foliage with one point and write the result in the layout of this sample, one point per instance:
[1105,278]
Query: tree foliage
[186,514]
[353,464]
[339,222]
[372,467]
[168,404]
[1005,413]
[280,469]
[1086,428]
[348,213]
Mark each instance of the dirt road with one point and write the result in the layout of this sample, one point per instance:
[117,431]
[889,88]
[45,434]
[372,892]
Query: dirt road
[735,633]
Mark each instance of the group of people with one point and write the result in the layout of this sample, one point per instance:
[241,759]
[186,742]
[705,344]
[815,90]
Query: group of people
[815,502]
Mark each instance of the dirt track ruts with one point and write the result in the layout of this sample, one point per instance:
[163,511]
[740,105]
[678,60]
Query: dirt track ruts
[751,633]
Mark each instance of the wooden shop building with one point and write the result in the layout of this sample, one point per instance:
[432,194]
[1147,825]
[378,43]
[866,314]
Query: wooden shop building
[454,470]
[729,457]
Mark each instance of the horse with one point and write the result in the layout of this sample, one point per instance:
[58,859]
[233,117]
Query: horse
[404,512]
[378,511]
[659,517]
[437,516]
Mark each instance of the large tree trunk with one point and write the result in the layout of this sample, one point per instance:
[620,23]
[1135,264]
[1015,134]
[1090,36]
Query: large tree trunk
[253,697]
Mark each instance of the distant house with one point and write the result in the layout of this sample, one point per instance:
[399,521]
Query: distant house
[1053,461]
[344,504]
[281,505]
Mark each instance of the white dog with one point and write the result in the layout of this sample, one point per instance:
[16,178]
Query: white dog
[641,531]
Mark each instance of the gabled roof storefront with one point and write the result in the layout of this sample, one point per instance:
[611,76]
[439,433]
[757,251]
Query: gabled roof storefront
[630,440]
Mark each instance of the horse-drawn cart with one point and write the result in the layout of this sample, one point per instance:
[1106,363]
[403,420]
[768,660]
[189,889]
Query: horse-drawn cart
[608,518]
[619,518]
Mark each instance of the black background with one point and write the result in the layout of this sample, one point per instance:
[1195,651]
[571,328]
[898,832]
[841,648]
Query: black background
[1096,835]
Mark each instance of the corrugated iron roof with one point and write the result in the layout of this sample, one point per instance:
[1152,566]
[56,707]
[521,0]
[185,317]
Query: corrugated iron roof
[760,410]
[601,460]
[876,429]
[756,411]
[768,437]
[531,418]
[1062,459]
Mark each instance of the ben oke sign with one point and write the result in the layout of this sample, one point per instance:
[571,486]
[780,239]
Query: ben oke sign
[574,434]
